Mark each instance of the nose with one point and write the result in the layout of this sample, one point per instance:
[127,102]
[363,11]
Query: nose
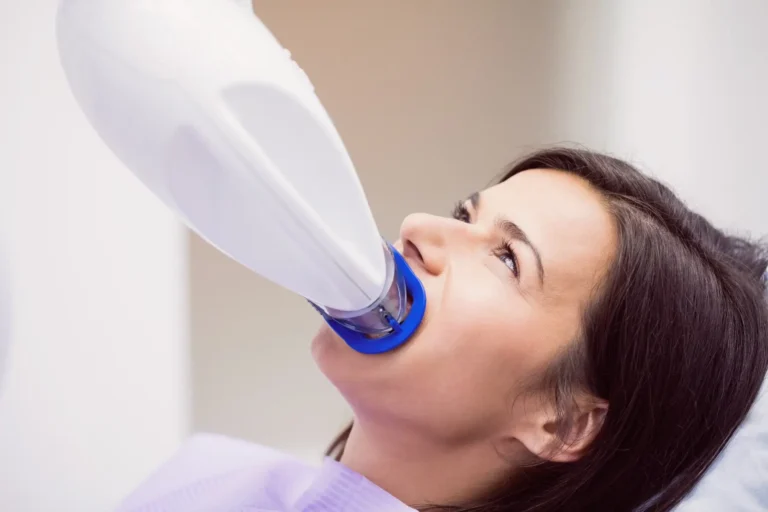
[425,239]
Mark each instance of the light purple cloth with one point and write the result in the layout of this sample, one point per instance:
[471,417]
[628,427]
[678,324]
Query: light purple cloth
[212,473]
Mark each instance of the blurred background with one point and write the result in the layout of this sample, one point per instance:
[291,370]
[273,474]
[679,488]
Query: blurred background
[129,333]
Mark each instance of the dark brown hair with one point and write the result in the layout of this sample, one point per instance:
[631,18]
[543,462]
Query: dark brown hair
[676,342]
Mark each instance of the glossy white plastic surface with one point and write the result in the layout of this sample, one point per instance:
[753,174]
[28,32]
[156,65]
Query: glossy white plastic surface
[209,111]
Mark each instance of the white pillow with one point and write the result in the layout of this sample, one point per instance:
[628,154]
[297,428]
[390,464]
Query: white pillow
[738,480]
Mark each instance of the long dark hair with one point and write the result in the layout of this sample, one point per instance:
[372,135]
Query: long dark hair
[676,342]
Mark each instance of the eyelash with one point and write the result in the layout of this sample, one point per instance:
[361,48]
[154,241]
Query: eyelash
[461,213]
[504,251]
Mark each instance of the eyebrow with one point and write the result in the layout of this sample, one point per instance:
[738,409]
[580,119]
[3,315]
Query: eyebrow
[513,231]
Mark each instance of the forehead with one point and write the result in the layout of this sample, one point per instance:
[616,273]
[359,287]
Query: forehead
[564,217]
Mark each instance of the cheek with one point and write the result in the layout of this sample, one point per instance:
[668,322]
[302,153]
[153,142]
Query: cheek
[478,343]
[487,340]
[460,377]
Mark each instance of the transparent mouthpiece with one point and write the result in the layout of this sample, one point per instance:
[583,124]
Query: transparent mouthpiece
[392,306]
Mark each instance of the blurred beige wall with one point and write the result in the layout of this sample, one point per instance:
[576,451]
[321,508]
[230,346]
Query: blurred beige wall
[432,98]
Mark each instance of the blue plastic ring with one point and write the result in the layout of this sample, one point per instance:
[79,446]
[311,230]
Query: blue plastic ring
[400,332]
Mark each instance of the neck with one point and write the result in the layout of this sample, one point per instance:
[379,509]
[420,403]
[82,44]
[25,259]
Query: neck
[419,471]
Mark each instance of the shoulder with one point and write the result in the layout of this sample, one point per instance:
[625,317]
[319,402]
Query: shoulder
[216,471]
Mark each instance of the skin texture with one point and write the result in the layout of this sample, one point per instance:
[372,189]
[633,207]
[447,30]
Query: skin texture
[451,413]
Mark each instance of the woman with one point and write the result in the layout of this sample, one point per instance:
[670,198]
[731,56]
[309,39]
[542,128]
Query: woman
[589,344]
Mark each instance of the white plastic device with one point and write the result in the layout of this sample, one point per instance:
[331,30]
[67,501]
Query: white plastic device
[212,114]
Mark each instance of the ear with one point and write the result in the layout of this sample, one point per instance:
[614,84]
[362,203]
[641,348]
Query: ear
[542,431]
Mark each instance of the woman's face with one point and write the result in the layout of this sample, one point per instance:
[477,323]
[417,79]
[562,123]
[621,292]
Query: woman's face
[507,279]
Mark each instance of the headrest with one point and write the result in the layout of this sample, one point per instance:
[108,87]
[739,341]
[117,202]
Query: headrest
[738,480]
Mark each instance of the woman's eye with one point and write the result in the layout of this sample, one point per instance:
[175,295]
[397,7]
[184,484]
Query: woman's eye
[504,252]
[461,213]
[507,256]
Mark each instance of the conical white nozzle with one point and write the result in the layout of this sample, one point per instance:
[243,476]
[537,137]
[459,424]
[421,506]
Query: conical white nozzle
[201,102]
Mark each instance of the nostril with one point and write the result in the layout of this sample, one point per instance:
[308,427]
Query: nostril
[410,250]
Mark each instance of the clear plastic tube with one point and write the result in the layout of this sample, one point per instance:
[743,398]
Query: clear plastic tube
[392,305]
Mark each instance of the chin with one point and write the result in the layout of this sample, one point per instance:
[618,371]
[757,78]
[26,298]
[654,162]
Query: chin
[332,355]
[348,370]
[324,341]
